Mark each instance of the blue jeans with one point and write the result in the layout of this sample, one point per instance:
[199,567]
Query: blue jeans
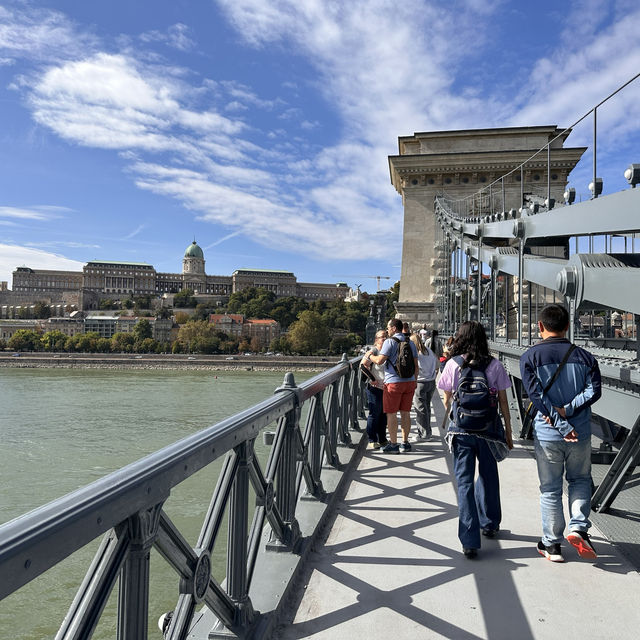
[556,458]
[478,503]
[422,406]
[377,419]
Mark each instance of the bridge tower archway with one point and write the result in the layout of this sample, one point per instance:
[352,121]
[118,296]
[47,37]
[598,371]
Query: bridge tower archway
[458,164]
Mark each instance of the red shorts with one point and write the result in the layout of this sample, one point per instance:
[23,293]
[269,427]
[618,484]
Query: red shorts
[398,396]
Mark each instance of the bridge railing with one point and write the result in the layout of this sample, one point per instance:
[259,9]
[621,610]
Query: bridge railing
[499,264]
[127,508]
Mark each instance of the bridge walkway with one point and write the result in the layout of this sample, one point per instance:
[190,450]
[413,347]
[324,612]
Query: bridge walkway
[392,566]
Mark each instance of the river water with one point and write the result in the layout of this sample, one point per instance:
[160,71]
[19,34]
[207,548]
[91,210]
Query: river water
[61,429]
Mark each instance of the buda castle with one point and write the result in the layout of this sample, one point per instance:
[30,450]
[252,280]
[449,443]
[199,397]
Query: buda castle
[110,279]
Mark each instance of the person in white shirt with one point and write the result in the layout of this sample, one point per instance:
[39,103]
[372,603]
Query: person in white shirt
[427,369]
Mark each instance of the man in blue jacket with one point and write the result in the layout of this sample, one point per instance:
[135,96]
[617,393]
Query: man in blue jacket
[562,428]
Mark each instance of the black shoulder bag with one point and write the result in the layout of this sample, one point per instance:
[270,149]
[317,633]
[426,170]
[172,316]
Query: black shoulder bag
[530,413]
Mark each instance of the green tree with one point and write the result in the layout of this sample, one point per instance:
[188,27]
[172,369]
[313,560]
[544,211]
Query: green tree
[181,317]
[41,310]
[83,342]
[191,335]
[393,296]
[309,333]
[202,312]
[230,345]
[286,310]
[184,298]
[142,330]
[280,345]
[53,340]
[207,345]
[103,345]
[342,344]
[25,340]
[252,302]
[142,302]
[122,342]
[146,345]
[107,303]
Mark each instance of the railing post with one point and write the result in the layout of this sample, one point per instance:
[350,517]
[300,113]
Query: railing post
[459,283]
[520,275]
[286,497]
[238,527]
[494,301]
[345,401]
[133,598]
[467,284]
[316,449]
[479,283]
[595,153]
[331,432]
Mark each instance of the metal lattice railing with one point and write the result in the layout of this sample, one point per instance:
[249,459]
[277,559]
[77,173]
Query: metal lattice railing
[127,508]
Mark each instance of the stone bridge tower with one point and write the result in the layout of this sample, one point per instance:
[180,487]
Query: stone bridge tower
[457,164]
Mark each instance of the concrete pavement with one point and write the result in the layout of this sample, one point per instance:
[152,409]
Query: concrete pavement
[392,565]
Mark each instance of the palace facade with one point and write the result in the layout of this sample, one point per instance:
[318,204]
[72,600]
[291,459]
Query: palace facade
[116,280]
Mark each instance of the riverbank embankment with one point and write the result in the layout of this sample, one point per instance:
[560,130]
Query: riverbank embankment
[166,361]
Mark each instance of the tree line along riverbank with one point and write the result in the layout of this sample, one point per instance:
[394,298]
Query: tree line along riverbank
[166,361]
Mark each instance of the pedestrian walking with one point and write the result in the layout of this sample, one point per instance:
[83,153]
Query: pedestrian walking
[474,385]
[426,385]
[562,381]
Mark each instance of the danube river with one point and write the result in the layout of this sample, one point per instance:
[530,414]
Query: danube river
[63,428]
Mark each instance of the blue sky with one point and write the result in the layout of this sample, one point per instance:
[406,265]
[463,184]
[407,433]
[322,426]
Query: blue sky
[262,127]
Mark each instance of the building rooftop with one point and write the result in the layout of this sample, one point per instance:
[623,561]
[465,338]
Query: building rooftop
[193,251]
[121,263]
[288,273]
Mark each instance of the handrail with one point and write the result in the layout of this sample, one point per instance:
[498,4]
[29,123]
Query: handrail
[547,147]
[126,506]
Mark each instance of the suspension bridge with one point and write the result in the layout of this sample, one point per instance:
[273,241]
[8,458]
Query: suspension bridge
[326,540]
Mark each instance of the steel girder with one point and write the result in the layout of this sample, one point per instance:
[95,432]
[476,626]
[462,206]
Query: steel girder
[606,280]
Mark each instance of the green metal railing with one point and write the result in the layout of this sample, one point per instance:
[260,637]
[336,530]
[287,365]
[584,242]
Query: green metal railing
[126,507]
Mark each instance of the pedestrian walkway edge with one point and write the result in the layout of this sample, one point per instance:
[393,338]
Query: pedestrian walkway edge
[278,575]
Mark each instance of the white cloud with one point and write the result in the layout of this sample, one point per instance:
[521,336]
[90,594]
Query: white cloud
[25,214]
[107,101]
[583,71]
[13,256]
[41,34]
[176,36]
[223,239]
[135,232]
[386,69]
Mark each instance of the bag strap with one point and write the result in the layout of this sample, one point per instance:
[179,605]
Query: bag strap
[397,354]
[556,373]
[527,426]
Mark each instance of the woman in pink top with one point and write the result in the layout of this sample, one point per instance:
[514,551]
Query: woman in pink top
[479,506]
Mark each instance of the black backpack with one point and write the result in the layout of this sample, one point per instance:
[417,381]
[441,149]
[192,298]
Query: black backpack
[405,365]
[475,404]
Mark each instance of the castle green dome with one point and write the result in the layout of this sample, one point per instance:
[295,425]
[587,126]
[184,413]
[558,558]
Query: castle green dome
[193,251]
